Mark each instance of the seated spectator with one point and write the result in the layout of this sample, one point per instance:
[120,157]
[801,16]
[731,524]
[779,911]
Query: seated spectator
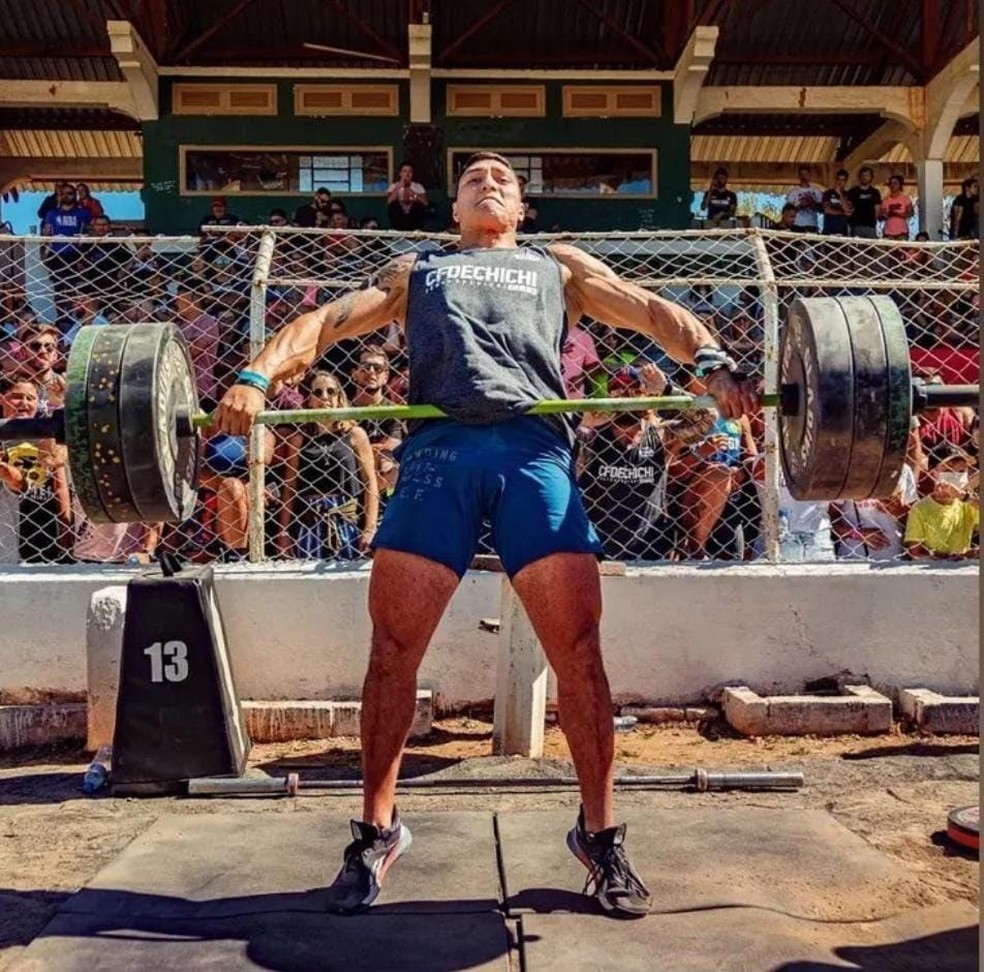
[940,429]
[865,199]
[872,529]
[35,509]
[218,215]
[406,201]
[37,356]
[329,480]
[278,217]
[114,543]
[61,256]
[837,207]
[86,312]
[705,477]
[340,247]
[371,376]
[787,219]
[964,211]
[808,200]
[201,332]
[102,263]
[804,525]
[87,201]
[315,214]
[944,525]
[530,213]
[719,201]
[896,210]
[579,361]
[615,353]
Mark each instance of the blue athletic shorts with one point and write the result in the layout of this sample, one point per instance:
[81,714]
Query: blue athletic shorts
[518,475]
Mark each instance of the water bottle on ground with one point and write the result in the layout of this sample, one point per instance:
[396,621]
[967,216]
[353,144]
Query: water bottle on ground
[97,775]
[625,723]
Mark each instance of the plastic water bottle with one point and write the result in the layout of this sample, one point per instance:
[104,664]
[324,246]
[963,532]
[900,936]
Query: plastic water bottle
[625,723]
[97,775]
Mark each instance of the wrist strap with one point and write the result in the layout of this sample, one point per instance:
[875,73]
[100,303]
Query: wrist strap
[254,379]
[711,359]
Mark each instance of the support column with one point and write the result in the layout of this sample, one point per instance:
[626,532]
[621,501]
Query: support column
[929,173]
[521,683]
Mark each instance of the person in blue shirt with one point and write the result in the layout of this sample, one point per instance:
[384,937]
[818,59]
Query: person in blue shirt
[67,219]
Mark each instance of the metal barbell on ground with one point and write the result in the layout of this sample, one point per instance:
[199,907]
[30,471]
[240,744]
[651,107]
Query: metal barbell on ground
[131,419]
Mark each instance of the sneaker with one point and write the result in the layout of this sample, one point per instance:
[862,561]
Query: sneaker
[367,859]
[611,877]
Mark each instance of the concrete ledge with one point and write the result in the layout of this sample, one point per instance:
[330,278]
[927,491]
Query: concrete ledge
[268,722]
[941,714]
[41,725]
[861,711]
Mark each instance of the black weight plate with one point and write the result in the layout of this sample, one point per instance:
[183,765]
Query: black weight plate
[899,395]
[105,360]
[871,404]
[157,381]
[816,355]
[80,464]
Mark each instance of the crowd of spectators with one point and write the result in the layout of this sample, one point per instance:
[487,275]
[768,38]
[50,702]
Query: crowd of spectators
[659,485]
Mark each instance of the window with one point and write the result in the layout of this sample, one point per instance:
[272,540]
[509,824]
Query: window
[224,99]
[252,170]
[497,101]
[625,101]
[346,99]
[574,172]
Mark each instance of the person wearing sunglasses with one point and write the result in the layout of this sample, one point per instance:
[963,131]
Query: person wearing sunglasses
[371,375]
[37,358]
[330,498]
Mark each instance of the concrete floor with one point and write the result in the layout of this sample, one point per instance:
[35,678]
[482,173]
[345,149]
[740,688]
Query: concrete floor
[753,888]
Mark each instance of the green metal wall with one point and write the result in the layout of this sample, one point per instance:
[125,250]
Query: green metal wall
[170,212]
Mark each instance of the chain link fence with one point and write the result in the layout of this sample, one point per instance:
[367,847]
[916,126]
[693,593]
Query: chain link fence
[658,486]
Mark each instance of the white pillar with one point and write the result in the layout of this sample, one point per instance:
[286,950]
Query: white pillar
[929,173]
[521,683]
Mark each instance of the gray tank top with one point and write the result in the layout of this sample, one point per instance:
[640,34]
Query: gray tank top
[484,329]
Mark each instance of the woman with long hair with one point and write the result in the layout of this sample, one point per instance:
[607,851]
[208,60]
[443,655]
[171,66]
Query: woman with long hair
[330,500]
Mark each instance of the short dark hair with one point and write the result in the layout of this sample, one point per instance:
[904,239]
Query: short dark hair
[868,169]
[720,170]
[477,157]
[788,207]
[968,182]
[897,175]
[282,213]
[842,174]
[376,350]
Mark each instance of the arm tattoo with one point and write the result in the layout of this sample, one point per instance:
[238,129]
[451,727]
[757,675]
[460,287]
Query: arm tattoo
[386,277]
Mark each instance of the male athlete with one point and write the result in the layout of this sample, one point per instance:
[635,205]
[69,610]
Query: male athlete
[485,323]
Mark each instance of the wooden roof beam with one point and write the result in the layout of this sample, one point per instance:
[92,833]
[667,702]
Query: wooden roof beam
[643,49]
[137,66]
[475,27]
[691,72]
[384,45]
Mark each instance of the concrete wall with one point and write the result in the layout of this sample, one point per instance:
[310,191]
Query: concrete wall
[671,632]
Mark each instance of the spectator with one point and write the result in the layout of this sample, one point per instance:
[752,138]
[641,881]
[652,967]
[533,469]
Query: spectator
[787,219]
[278,217]
[406,201]
[61,256]
[201,331]
[87,201]
[102,261]
[51,201]
[35,509]
[896,210]
[865,200]
[339,246]
[371,376]
[719,201]
[218,215]
[944,525]
[837,208]
[808,200]
[964,211]
[114,543]
[872,529]
[615,355]
[315,214]
[941,429]
[369,223]
[579,361]
[36,358]
[86,312]
[330,475]
[624,472]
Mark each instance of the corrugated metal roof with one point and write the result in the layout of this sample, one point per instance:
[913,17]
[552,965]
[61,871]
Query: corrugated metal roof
[730,148]
[76,119]
[960,148]
[70,145]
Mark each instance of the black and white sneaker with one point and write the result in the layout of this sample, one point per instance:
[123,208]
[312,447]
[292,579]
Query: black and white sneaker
[611,877]
[367,859]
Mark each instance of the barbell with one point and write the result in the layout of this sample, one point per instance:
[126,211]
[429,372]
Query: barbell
[131,419]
